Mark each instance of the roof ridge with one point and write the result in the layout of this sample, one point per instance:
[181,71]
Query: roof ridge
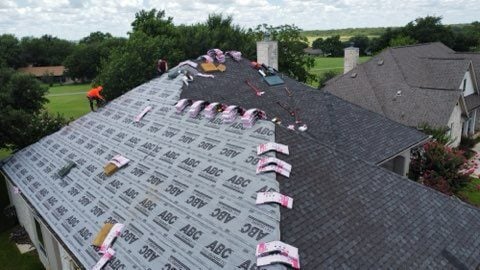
[416,45]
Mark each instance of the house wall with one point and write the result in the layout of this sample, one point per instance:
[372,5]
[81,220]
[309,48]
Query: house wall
[50,255]
[455,123]
[469,89]
[399,164]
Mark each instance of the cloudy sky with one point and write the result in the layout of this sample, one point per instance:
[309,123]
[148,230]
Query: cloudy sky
[74,19]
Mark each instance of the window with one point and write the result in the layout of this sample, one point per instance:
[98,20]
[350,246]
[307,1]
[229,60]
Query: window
[38,229]
[464,84]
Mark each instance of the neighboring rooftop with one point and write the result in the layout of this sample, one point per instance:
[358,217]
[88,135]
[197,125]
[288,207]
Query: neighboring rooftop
[42,71]
[412,85]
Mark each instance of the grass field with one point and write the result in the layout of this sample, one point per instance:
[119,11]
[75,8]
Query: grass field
[68,100]
[324,64]
[471,193]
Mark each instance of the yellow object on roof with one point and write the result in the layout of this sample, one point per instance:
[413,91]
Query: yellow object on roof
[208,67]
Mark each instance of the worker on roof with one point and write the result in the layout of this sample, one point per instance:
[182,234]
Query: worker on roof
[162,66]
[94,95]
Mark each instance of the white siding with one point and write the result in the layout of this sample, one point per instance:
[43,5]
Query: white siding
[399,164]
[455,124]
[469,88]
[51,258]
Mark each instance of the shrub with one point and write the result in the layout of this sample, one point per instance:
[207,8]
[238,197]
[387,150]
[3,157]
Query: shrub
[440,167]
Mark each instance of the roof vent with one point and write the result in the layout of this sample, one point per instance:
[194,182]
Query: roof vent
[380,62]
[353,75]
[399,93]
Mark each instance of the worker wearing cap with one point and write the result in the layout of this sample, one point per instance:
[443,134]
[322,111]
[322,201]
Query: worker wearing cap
[94,94]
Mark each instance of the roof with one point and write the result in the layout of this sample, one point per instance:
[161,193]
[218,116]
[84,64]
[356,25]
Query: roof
[188,194]
[330,120]
[189,186]
[313,51]
[352,215]
[411,85]
[41,71]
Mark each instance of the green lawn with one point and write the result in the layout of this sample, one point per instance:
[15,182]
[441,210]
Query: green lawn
[68,100]
[4,153]
[11,259]
[471,193]
[324,64]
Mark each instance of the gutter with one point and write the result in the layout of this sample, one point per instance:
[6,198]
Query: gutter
[44,221]
[428,138]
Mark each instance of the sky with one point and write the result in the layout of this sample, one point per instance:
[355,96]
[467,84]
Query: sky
[74,19]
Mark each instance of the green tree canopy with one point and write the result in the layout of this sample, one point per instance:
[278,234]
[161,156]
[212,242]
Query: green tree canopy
[10,51]
[23,120]
[85,61]
[45,51]
[361,42]
[95,37]
[332,46]
[402,40]
[429,29]
[317,43]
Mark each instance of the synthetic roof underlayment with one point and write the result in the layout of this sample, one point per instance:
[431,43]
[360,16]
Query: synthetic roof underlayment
[187,197]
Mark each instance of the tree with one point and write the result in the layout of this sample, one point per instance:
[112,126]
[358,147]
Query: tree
[85,60]
[440,167]
[45,51]
[153,23]
[383,41]
[134,63]
[429,29]
[217,32]
[332,46]
[23,119]
[10,51]
[401,40]
[317,43]
[291,57]
[324,77]
[361,42]
[95,38]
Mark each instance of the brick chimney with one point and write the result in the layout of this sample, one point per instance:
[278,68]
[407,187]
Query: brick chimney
[267,52]
[351,58]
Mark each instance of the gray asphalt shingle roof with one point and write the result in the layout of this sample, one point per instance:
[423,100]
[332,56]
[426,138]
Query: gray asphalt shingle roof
[352,215]
[414,84]
[332,121]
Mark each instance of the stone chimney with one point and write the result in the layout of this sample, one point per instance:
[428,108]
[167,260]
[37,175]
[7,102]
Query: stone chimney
[267,52]
[351,58]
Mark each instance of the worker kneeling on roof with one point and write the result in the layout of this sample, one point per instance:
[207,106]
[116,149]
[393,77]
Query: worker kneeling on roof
[94,95]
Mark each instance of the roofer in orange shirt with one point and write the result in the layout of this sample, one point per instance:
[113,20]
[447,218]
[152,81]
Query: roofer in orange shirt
[94,94]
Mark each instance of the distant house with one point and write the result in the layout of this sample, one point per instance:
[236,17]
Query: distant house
[414,85]
[312,51]
[57,73]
